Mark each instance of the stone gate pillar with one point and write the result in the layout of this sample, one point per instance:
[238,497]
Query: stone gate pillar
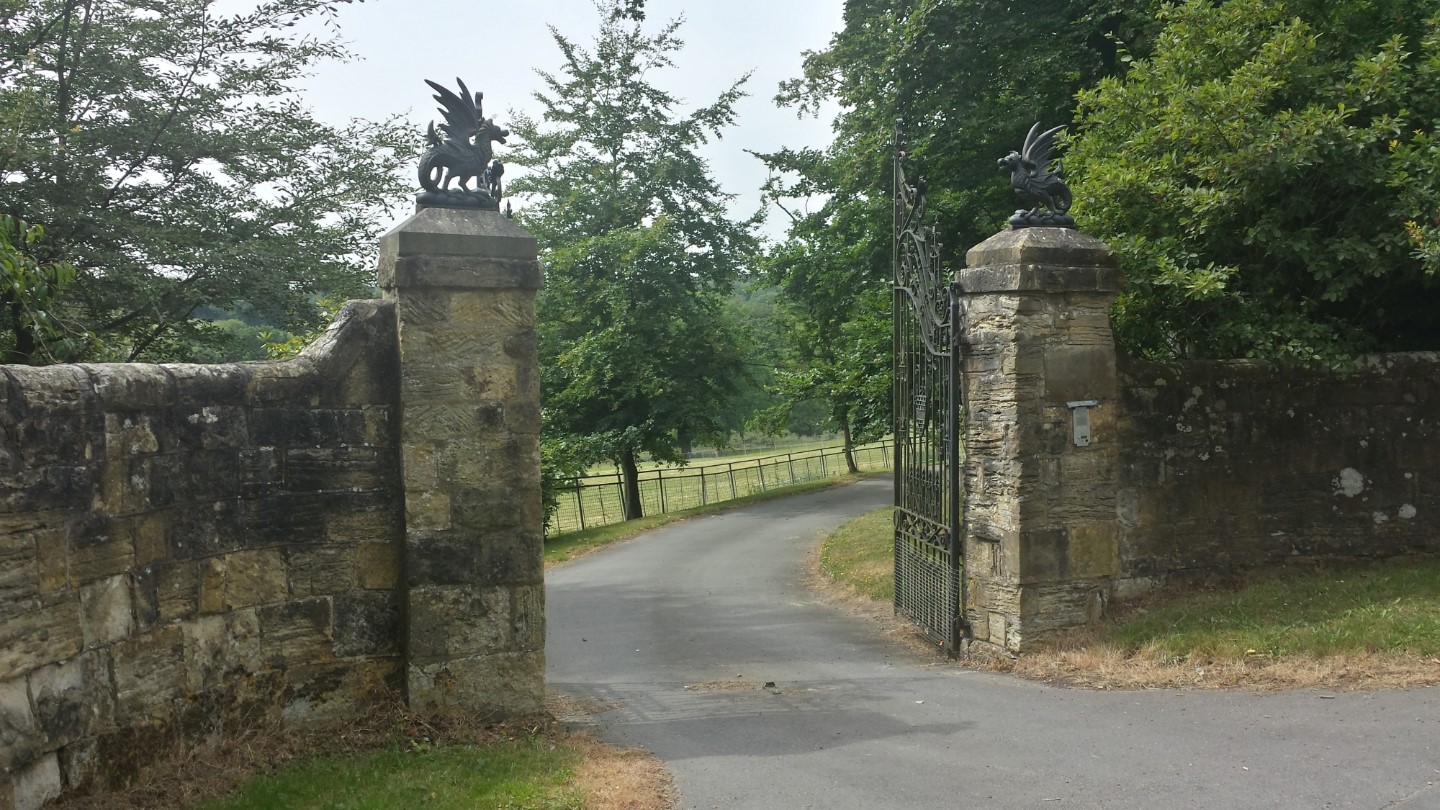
[464,283]
[1040,525]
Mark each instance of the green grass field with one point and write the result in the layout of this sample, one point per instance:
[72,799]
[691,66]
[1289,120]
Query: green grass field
[527,774]
[596,501]
[1391,607]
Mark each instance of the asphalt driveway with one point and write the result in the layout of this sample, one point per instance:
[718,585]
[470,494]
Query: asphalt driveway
[662,627]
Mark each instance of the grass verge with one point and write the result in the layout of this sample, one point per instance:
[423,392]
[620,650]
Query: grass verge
[1359,627]
[570,545]
[390,758]
[852,556]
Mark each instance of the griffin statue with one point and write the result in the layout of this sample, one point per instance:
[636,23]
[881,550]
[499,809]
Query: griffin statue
[1036,184]
[461,151]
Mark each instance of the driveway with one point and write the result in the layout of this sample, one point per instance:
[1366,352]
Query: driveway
[663,628]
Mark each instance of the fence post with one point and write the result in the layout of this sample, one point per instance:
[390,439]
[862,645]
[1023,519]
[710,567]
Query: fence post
[760,465]
[704,498]
[660,474]
[731,467]
[580,501]
[790,461]
[823,473]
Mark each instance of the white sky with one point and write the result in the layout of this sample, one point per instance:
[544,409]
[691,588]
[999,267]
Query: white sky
[497,46]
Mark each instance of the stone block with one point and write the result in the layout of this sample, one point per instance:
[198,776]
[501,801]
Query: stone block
[38,783]
[443,558]
[19,732]
[146,535]
[48,630]
[105,611]
[1092,551]
[131,434]
[212,585]
[297,633]
[374,519]
[528,618]
[98,551]
[457,232]
[367,623]
[18,581]
[427,511]
[449,622]
[73,698]
[497,506]
[207,648]
[212,427]
[324,569]
[262,470]
[418,463]
[285,519]
[427,421]
[489,688]
[309,469]
[514,557]
[149,676]
[380,564]
[254,578]
[424,309]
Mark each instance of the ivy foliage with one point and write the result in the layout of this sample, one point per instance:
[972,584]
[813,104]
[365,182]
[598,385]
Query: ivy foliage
[1271,179]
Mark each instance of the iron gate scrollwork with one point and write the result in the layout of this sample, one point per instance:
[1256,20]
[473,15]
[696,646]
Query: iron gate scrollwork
[926,414]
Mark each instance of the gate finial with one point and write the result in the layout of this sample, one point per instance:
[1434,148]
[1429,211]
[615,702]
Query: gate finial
[1036,184]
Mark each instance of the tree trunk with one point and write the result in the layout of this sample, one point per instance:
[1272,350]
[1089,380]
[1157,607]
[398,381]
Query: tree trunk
[849,450]
[630,492]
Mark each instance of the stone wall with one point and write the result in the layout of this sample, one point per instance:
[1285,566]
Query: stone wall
[186,547]
[1090,476]
[1231,466]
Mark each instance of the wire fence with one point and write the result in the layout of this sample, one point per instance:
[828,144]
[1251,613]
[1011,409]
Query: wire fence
[595,500]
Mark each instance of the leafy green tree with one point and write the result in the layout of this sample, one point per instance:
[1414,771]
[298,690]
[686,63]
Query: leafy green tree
[965,79]
[30,300]
[163,145]
[1270,175]
[637,355]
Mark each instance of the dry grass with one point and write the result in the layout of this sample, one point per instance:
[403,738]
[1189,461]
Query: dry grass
[1096,664]
[610,777]
[620,778]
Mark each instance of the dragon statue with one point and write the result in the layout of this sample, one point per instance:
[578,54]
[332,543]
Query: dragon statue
[1036,184]
[461,151]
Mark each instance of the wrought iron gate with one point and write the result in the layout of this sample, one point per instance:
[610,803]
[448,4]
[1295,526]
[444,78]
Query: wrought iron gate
[927,408]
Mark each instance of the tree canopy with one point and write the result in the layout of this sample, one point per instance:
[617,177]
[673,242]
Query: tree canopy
[637,354]
[964,80]
[163,147]
[1270,177]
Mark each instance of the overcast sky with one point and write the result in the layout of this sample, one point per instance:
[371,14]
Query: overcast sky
[496,48]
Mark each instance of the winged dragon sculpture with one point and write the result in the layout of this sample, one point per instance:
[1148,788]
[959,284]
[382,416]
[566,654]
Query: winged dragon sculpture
[461,151]
[1037,184]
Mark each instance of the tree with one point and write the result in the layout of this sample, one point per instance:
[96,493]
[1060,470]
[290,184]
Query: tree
[1270,177]
[30,299]
[965,79]
[163,146]
[637,356]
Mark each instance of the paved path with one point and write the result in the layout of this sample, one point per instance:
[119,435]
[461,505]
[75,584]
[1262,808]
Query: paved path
[862,723]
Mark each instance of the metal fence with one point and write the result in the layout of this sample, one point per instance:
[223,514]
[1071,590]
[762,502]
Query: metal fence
[594,500]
